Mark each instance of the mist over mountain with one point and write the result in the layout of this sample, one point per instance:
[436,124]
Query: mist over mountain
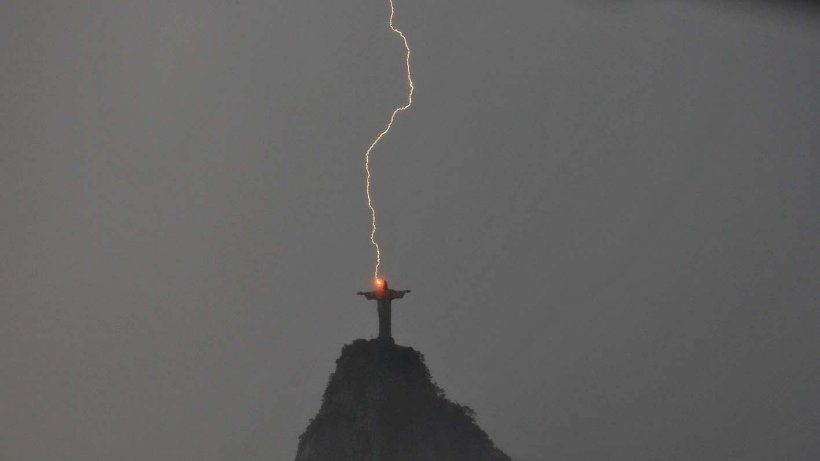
[381,404]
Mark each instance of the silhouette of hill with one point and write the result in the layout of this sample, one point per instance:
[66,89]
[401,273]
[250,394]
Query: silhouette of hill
[380,404]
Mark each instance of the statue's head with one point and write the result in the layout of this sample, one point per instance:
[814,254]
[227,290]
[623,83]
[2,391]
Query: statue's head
[381,283]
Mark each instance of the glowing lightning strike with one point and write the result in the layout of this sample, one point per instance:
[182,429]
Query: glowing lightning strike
[381,135]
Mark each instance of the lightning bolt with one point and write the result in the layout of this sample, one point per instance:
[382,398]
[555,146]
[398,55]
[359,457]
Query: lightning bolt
[381,135]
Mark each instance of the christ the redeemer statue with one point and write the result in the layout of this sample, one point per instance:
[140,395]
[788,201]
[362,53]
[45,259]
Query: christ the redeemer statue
[384,297]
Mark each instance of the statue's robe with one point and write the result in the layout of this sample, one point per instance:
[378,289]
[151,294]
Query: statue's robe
[384,297]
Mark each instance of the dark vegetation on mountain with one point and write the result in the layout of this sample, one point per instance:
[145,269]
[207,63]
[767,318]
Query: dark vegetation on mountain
[381,404]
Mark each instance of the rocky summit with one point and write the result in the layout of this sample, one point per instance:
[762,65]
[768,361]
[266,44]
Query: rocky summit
[381,405]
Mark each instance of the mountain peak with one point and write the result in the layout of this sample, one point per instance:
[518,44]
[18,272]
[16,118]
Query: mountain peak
[381,404]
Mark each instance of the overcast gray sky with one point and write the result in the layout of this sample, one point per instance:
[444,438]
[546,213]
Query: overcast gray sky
[608,216]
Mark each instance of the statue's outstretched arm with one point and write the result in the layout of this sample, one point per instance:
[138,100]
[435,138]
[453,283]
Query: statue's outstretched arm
[368,294]
[398,294]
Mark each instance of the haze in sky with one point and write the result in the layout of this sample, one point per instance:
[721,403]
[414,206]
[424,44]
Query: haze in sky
[607,213]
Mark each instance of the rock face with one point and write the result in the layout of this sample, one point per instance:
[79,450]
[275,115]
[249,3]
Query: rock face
[381,405]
